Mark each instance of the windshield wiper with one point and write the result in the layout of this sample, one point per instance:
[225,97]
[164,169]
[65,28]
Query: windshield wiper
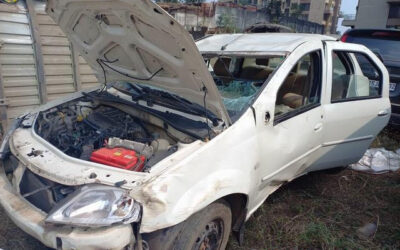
[151,95]
[164,98]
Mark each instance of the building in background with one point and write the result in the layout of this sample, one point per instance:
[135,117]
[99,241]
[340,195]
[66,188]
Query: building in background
[325,12]
[230,17]
[375,14]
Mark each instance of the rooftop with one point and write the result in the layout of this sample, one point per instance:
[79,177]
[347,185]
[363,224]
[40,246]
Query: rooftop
[259,42]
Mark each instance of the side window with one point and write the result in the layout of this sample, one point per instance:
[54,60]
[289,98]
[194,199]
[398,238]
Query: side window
[301,90]
[354,77]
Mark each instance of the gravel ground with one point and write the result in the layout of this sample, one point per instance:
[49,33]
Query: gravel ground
[321,210]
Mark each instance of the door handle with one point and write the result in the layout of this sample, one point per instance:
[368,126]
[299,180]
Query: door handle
[318,127]
[383,113]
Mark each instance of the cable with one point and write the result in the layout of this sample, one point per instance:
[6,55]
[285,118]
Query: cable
[105,77]
[105,63]
[205,111]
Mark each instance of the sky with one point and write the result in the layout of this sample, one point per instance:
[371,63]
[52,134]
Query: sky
[348,7]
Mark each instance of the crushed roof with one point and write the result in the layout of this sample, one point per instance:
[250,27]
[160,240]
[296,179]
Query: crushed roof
[257,42]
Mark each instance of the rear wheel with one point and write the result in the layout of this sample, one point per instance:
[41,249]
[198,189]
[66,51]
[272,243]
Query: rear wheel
[208,229]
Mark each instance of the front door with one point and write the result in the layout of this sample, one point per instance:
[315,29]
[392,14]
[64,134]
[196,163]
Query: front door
[357,107]
[292,129]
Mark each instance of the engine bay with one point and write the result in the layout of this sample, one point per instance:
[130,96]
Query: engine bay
[97,132]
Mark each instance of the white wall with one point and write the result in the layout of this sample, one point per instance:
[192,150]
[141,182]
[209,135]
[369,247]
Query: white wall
[372,14]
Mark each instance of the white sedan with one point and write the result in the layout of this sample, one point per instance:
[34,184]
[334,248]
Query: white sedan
[185,140]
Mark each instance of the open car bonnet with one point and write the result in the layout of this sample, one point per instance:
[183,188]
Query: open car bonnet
[137,41]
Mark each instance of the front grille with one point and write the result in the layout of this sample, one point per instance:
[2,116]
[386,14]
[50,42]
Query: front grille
[42,193]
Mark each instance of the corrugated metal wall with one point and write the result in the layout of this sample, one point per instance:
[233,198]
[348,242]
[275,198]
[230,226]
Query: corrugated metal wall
[57,56]
[87,77]
[34,73]
[17,62]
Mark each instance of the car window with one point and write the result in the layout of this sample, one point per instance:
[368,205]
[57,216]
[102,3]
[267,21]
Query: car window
[354,77]
[239,79]
[386,47]
[301,89]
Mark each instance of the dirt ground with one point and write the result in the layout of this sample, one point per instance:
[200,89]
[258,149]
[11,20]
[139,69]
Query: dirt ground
[321,210]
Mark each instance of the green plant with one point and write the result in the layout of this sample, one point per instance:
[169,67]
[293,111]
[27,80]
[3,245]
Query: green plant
[295,10]
[226,23]
[274,10]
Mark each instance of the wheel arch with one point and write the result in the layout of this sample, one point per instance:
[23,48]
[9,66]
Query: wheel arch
[238,204]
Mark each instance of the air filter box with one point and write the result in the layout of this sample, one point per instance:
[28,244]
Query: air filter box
[120,158]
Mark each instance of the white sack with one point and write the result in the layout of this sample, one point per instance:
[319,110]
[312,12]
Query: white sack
[377,161]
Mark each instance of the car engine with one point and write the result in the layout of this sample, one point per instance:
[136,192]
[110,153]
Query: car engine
[103,134]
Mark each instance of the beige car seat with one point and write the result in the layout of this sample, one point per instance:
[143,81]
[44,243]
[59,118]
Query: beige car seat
[221,69]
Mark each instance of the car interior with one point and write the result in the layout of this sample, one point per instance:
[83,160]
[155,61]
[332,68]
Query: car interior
[353,77]
[239,79]
[301,87]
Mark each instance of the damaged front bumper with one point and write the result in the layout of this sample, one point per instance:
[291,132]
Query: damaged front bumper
[31,220]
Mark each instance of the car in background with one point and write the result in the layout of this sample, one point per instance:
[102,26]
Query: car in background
[386,45]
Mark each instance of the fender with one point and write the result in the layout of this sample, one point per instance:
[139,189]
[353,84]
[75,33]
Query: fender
[202,177]
[169,210]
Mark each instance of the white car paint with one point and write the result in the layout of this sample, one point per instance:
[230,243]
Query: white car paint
[143,38]
[252,156]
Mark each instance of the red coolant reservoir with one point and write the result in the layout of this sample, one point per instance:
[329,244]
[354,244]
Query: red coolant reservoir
[120,158]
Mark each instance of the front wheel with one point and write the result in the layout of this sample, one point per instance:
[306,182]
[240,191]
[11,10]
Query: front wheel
[208,229]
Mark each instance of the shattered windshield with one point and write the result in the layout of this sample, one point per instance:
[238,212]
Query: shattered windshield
[239,79]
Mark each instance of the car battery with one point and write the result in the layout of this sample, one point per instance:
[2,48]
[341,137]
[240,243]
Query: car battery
[120,158]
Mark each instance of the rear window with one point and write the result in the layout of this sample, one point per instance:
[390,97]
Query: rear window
[387,47]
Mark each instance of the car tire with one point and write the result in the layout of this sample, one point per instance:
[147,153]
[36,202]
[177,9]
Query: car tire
[207,229]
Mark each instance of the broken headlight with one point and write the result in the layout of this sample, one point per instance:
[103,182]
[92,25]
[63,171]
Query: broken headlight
[96,206]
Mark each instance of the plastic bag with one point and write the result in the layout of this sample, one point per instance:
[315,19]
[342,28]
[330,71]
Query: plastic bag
[377,161]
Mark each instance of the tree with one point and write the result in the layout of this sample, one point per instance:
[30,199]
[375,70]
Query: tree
[193,1]
[295,10]
[166,1]
[244,2]
[274,10]
[226,23]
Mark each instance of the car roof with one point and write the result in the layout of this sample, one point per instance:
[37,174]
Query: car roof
[258,42]
[371,30]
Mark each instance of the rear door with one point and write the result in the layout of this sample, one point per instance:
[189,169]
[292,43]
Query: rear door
[357,105]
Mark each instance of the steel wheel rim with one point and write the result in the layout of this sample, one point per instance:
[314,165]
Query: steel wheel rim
[211,237]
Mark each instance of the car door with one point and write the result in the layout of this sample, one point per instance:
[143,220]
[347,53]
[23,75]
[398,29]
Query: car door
[292,126]
[357,107]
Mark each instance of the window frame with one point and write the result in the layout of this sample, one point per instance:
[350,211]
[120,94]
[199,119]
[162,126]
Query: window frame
[286,116]
[283,55]
[350,60]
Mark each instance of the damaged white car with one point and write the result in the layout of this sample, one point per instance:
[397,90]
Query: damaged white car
[184,141]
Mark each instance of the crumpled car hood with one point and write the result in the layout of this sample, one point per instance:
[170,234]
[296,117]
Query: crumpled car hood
[137,41]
